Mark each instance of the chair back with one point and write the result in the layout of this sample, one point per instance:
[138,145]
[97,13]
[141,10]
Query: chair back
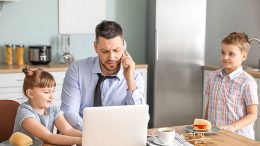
[8,109]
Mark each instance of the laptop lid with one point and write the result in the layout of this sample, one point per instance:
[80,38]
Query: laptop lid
[115,125]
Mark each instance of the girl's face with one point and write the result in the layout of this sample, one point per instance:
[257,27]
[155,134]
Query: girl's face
[232,57]
[41,98]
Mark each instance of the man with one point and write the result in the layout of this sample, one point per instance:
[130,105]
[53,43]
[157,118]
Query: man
[123,87]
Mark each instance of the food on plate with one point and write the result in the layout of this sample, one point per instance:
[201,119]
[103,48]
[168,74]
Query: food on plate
[201,125]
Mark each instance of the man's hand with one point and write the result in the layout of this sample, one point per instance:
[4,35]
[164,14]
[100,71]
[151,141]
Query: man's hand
[129,67]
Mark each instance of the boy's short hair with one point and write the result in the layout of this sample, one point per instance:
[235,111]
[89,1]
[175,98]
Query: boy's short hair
[238,39]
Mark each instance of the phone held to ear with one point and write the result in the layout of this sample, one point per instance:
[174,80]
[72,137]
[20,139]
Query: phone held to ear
[125,45]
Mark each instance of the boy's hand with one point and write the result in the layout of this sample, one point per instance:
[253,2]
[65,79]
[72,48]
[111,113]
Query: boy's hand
[231,128]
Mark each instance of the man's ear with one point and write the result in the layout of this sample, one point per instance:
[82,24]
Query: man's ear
[95,45]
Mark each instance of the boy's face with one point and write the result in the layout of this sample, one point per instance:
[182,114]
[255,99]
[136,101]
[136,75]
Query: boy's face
[232,57]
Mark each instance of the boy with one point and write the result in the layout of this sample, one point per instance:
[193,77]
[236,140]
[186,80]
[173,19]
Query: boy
[231,91]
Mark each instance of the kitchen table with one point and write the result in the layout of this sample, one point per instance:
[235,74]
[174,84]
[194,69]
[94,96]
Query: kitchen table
[221,138]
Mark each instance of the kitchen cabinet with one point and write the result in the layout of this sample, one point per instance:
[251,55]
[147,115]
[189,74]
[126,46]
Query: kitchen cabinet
[257,123]
[11,85]
[80,16]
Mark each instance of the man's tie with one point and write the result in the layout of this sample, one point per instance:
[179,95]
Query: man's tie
[97,95]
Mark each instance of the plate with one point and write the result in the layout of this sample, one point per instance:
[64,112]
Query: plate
[158,142]
[213,130]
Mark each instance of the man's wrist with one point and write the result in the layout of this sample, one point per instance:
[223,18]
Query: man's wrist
[131,85]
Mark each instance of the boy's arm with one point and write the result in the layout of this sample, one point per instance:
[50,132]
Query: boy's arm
[206,111]
[249,118]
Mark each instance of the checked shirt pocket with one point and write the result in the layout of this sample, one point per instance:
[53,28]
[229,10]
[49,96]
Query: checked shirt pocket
[234,96]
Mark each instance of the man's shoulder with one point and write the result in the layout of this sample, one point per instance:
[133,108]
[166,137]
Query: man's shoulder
[89,60]
[84,63]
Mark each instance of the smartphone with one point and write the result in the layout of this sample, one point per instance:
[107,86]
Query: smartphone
[125,45]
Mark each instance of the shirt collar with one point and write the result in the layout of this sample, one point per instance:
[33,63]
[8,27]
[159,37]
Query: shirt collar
[232,75]
[96,69]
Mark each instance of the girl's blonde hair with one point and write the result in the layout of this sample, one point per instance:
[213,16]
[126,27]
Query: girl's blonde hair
[238,39]
[37,78]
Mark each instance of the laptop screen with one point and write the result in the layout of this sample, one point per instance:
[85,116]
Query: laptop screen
[115,125]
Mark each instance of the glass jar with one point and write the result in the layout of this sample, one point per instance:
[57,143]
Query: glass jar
[66,57]
[9,54]
[19,54]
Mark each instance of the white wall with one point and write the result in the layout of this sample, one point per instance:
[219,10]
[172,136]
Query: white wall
[225,16]
[33,22]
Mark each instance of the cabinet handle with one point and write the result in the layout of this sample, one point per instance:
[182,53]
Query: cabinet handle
[19,80]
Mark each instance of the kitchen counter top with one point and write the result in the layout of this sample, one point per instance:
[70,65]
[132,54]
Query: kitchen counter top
[254,73]
[50,67]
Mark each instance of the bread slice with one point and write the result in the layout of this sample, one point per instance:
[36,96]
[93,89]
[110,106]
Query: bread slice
[201,125]
[20,139]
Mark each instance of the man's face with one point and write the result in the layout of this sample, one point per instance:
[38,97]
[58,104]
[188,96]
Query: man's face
[110,52]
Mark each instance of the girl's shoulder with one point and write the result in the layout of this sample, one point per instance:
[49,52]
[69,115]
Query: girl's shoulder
[53,110]
[26,108]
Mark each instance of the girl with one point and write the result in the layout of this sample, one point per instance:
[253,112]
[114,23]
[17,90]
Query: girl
[37,117]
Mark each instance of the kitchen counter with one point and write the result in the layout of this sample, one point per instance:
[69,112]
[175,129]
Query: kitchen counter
[254,73]
[50,67]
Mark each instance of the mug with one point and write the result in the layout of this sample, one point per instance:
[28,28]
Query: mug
[166,135]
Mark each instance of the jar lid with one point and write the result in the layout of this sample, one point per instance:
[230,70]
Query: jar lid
[19,45]
[9,45]
[40,47]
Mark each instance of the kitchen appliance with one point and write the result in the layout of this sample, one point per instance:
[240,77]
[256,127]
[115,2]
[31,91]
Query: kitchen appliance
[40,54]
[176,44]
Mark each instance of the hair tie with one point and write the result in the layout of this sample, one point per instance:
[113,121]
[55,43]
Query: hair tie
[28,72]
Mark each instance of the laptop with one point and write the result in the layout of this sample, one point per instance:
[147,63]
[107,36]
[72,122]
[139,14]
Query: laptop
[115,125]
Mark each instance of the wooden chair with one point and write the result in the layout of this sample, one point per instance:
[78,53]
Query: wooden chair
[8,109]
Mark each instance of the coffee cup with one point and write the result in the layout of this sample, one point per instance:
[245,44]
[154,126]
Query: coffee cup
[166,135]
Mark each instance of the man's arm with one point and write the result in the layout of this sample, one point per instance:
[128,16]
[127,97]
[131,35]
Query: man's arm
[135,81]
[136,96]
[71,98]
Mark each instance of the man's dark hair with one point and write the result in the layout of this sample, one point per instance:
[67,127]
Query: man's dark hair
[108,30]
